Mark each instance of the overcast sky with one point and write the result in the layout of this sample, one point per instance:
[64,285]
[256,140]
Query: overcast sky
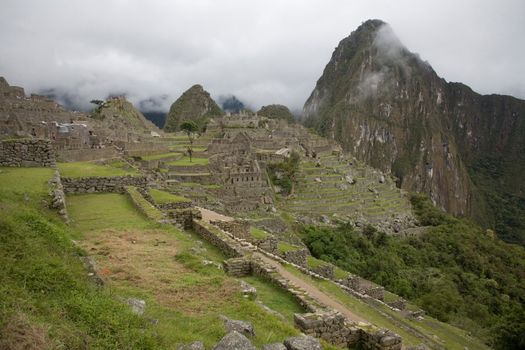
[262,51]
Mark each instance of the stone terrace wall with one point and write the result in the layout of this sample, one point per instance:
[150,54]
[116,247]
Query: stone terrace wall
[81,155]
[102,184]
[238,228]
[297,257]
[228,246]
[58,200]
[27,153]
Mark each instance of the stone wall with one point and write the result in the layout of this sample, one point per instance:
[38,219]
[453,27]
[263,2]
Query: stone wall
[102,184]
[27,153]
[238,228]
[364,287]
[185,217]
[238,267]
[81,155]
[298,257]
[333,327]
[325,271]
[58,197]
[214,236]
[268,244]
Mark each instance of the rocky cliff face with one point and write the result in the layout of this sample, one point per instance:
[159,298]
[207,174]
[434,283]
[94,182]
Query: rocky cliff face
[390,109]
[195,104]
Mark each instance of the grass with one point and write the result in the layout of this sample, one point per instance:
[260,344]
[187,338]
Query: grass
[161,156]
[163,197]
[29,181]
[314,263]
[257,233]
[143,205]
[88,169]
[185,161]
[284,247]
[156,263]
[276,298]
[98,211]
[198,185]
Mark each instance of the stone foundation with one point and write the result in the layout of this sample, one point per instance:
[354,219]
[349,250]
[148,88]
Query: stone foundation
[102,184]
[364,287]
[27,153]
[238,267]
[212,234]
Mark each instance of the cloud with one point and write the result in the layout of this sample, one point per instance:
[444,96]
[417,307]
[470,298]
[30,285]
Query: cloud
[262,51]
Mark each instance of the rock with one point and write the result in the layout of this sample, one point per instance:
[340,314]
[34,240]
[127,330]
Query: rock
[302,343]
[342,187]
[318,179]
[275,346]
[248,289]
[325,219]
[137,305]
[234,341]
[382,179]
[242,327]
[196,345]
[350,179]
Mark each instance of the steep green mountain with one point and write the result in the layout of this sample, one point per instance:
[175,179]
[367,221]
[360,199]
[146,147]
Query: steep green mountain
[195,104]
[276,112]
[390,109]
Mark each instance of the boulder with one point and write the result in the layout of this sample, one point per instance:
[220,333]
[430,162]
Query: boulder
[302,343]
[137,305]
[234,341]
[196,345]
[242,327]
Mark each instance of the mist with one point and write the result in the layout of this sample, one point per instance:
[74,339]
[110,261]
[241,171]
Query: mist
[263,52]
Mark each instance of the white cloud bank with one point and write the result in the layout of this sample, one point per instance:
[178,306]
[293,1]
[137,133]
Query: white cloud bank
[262,51]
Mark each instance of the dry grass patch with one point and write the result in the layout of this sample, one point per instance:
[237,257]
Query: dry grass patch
[146,260]
[19,333]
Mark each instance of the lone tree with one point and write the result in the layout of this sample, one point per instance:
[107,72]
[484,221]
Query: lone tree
[190,128]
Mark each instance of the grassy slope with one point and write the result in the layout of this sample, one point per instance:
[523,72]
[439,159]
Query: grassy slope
[181,293]
[163,197]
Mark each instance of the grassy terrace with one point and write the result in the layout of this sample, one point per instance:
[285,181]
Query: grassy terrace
[185,161]
[163,197]
[161,156]
[257,233]
[141,259]
[88,169]
[447,336]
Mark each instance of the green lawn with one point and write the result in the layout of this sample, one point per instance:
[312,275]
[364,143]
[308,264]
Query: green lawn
[160,156]
[284,247]
[105,211]
[29,181]
[185,161]
[163,197]
[88,169]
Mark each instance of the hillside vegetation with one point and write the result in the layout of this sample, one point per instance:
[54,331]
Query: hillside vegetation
[455,271]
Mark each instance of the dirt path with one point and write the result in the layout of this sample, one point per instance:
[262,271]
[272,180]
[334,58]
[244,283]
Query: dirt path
[210,215]
[311,289]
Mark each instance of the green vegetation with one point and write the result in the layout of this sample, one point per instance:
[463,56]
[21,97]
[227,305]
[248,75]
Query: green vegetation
[163,197]
[258,233]
[117,211]
[46,295]
[276,298]
[284,174]
[455,271]
[143,205]
[87,169]
[161,156]
[185,161]
[194,104]
[284,247]
[314,263]
[276,112]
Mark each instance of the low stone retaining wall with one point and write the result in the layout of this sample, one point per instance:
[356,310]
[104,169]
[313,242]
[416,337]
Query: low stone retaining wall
[27,153]
[58,196]
[175,205]
[102,184]
[189,168]
[185,217]
[228,246]
[268,244]
[364,287]
[80,155]
[325,271]
[332,327]
[204,179]
[238,228]
[238,267]
[297,257]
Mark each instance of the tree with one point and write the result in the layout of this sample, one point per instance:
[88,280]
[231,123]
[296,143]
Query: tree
[97,102]
[190,128]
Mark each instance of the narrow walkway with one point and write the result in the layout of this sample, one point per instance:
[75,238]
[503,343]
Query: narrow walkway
[210,215]
[312,290]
